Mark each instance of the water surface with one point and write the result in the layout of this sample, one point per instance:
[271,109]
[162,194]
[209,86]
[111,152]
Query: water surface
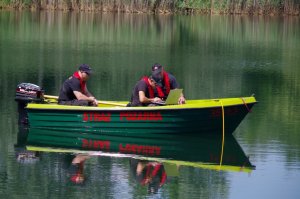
[211,57]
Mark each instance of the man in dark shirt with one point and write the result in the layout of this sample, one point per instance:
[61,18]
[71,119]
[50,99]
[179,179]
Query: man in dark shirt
[74,90]
[143,93]
[165,81]
[77,167]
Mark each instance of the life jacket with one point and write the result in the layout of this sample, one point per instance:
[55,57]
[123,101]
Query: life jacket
[166,80]
[82,83]
[151,90]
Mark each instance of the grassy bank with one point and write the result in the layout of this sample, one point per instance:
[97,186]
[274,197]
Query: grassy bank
[256,7]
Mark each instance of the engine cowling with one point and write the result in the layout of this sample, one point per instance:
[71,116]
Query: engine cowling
[26,93]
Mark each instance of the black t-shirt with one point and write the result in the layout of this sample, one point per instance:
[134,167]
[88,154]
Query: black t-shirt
[140,86]
[66,91]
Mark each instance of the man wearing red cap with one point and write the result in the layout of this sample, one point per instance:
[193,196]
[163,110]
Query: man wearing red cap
[74,90]
[165,81]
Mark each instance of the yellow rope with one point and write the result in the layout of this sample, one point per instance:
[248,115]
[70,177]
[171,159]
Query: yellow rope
[223,134]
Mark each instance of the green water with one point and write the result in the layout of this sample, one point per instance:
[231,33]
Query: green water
[211,57]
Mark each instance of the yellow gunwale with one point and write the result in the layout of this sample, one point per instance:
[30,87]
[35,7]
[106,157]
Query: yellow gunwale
[190,104]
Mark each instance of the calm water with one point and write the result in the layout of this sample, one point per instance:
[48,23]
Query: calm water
[211,56]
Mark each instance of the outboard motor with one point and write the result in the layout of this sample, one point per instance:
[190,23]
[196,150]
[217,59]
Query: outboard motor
[25,93]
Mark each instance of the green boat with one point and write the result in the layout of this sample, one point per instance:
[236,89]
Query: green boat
[204,151]
[212,116]
[206,116]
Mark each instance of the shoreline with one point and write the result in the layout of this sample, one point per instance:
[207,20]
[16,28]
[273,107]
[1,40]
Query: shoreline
[121,7]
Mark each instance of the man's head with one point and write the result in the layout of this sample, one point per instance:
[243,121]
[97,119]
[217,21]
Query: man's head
[85,71]
[152,81]
[157,72]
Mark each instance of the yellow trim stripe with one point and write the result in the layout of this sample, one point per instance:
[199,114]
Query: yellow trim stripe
[190,104]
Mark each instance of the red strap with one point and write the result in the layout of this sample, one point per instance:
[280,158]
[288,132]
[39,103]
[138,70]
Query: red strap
[82,83]
[147,175]
[160,92]
[156,169]
[163,178]
[166,82]
[151,90]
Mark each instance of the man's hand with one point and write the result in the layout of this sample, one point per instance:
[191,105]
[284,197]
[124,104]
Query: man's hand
[156,99]
[181,100]
[93,100]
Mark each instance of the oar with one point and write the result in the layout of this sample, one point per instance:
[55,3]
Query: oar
[99,102]
[51,97]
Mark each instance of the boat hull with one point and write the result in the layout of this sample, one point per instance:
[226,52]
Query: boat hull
[141,121]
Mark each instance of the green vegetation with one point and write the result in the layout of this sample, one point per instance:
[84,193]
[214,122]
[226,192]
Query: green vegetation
[256,7]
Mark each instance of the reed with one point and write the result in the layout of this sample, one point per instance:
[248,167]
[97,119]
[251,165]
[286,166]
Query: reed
[256,7]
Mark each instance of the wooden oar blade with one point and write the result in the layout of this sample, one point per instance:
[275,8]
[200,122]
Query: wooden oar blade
[99,101]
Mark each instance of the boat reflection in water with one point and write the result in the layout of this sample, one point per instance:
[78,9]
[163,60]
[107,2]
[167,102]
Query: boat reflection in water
[153,162]
[23,155]
[205,151]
